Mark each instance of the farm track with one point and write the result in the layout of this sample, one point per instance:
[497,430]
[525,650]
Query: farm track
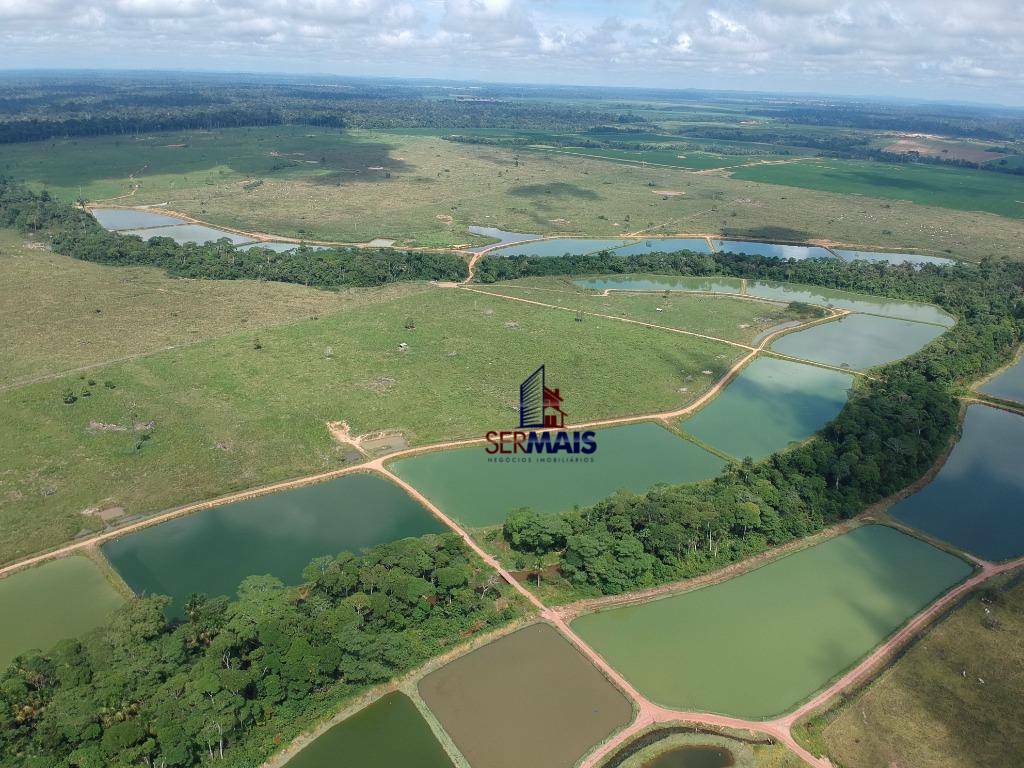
[648,712]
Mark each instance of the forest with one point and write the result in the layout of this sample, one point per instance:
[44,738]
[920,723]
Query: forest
[237,678]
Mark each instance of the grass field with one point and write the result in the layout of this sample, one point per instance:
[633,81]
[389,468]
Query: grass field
[953,701]
[429,190]
[61,314]
[773,636]
[59,599]
[959,188]
[227,415]
[689,159]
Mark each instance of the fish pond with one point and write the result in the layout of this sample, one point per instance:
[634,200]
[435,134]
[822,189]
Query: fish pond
[125,218]
[500,235]
[59,599]
[479,489]
[858,341]
[770,404]
[892,258]
[390,733]
[561,246]
[656,283]
[872,305]
[775,250]
[528,699]
[1008,385]
[212,551]
[280,247]
[664,245]
[758,644]
[189,233]
[976,502]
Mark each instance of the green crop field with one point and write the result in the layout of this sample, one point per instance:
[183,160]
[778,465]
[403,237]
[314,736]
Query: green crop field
[62,314]
[252,407]
[953,701]
[959,188]
[421,189]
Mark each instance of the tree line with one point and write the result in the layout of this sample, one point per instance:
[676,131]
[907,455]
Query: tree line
[890,432]
[73,232]
[236,679]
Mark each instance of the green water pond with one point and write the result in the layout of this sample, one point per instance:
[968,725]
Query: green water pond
[858,341]
[478,491]
[61,598]
[637,283]
[770,404]
[211,552]
[977,500]
[1008,385]
[758,644]
[390,733]
[905,310]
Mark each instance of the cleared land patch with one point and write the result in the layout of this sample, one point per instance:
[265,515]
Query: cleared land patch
[953,701]
[756,645]
[59,599]
[480,490]
[976,502]
[248,409]
[390,733]
[60,314]
[770,404]
[212,551]
[527,699]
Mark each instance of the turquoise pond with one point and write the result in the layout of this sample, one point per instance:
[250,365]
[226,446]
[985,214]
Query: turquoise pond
[776,250]
[769,405]
[189,233]
[478,491]
[665,245]
[976,502]
[891,258]
[562,246]
[637,283]
[828,297]
[123,218]
[1008,385]
[212,551]
[858,341]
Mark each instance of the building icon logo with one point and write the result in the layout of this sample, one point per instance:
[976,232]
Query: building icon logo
[540,407]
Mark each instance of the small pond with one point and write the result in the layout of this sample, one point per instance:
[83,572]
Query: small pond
[500,235]
[124,218]
[891,258]
[561,246]
[665,245]
[777,250]
[636,283]
[189,233]
[1008,385]
[692,757]
[281,247]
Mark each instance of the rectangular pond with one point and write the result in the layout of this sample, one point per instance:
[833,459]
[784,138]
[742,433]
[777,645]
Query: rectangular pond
[124,218]
[528,699]
[667,283]
[390,733]
[891,258]
[189,233]
[211,552]
[562,246]
[1008,385]
[775,250]
[769,405]
[665,245]
[479,489]
[873,305]
[976,502]
[858,341]
[59,599]
[758,644]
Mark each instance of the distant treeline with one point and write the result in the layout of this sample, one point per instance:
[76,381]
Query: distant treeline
[237,679]
[889,433]
[73,232]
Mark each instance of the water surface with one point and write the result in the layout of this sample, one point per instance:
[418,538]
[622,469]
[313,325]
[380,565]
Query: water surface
[891,258]
[665,245]
[123,218]
[776,250]
[500,235]
[1009,385]
[189,233]
[636,283]
[562,246]
[390,733]
[477,490]
[977,500]
[692,756]
[758,644]
[281,247]
[769,405]
[212,551]
[858,341]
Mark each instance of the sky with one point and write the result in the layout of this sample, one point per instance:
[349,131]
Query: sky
[954,50]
